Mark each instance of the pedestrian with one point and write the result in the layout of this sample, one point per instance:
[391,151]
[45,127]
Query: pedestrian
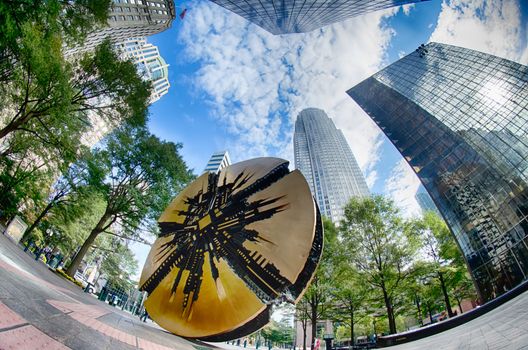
[144,316]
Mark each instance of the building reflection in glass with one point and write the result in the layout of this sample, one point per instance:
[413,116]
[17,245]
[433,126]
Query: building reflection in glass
[460,119]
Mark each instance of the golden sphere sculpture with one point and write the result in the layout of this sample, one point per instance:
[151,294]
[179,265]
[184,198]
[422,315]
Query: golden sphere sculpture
[231,245]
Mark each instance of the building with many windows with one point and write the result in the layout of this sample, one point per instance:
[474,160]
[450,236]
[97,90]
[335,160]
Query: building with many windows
[218,161]
[131,19]
[325,159]
[301,16]
[460,119]
[150,64]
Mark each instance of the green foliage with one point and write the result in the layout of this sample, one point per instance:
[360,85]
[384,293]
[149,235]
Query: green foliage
[445,268]
[136,175]
[19,182]
[69,20]
[118,264]
[373,233]
[76,220]
[278,333]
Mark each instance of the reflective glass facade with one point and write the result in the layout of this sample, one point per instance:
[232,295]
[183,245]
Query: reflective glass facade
[326,161]
[460,119]
[425,201]
[301,16]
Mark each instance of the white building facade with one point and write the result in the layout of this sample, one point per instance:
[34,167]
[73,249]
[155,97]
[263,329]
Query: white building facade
[218,161]
[151,66]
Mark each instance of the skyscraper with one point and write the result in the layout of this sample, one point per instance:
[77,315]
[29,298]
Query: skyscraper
[218,161]
[291,16]
[425,201]
[460,119]
[326,161]
[131,19]
[150,64]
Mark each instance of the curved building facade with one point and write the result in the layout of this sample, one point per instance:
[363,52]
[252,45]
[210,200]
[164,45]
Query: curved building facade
[301,16]
[325,159]
[460,119]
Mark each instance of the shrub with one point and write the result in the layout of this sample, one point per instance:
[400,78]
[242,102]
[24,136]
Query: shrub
[63,274]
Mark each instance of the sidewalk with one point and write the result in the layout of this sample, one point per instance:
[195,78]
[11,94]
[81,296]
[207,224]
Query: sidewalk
[40,310]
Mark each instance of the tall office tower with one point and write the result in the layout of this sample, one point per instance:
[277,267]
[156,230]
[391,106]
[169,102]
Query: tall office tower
[291,16]
[150,64]
[326,161]
[460,119]
[131,19]
[218,161]
[425,201]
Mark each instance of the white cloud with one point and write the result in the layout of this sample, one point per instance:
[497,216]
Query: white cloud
[401,186]
[257,83]
[407,9]
[491,26]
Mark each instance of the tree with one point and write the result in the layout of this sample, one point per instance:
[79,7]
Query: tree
[55,100]
[349,300]
[302,315]
[118,264]
[75,221]
[433,235]
[69,188]
[277,333]
[373,233]
[20,182]
[318,294]
[137,175]
[69,19]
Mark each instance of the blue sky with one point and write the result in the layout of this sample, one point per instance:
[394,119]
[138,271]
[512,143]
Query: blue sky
[236,87]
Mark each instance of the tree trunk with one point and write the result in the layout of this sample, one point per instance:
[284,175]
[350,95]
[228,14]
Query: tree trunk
[430,313]
[390,312]
[446,296]
[351,328]
[37,220]
[459,305]
[313,320]
[15,124]
[86,245]
[304,335]
[419,311]
[6,131]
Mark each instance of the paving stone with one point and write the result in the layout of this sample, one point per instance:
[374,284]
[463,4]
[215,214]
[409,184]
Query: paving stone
[28,338]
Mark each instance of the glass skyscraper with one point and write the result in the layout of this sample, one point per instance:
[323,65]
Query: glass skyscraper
[425,201]
[325,159]
[301,16]
[460,119]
